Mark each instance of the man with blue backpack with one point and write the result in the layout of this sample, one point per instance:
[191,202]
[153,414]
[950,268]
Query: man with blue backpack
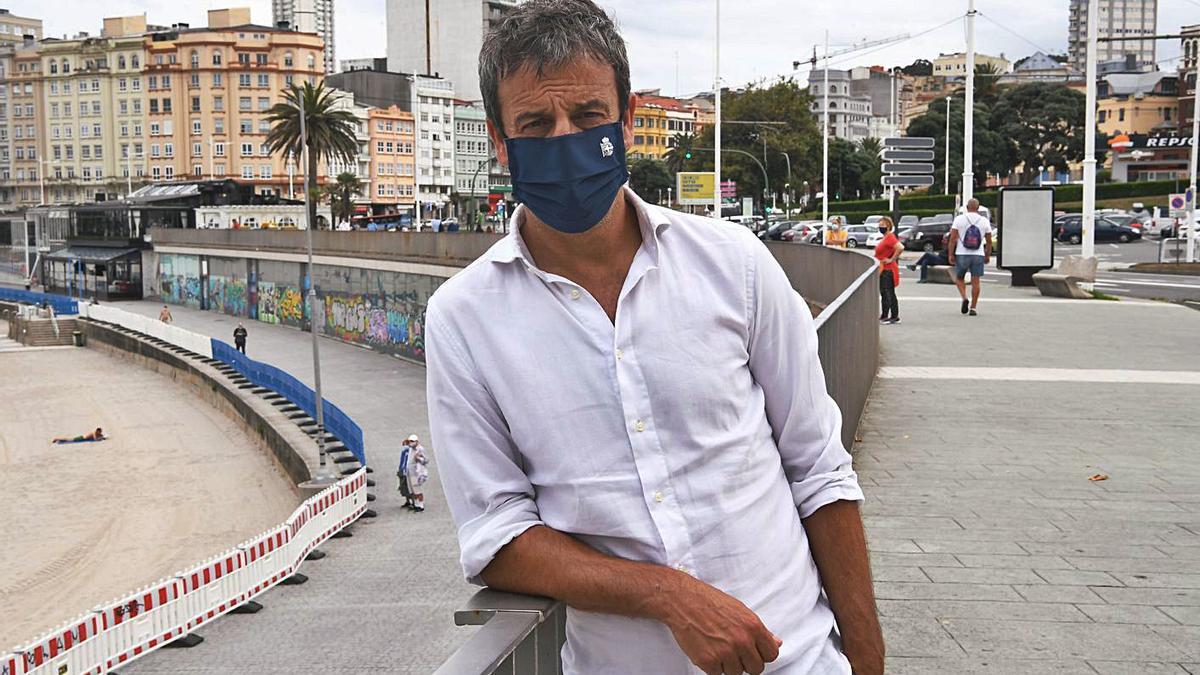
[970,248]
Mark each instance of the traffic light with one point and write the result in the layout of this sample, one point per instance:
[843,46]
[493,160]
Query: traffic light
[687,155]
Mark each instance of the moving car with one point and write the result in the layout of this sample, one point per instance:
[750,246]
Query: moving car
[1069,229]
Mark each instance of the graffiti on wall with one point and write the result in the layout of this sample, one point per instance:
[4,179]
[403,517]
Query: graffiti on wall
[389,322]
[180,290]
[279,303]
[227,295]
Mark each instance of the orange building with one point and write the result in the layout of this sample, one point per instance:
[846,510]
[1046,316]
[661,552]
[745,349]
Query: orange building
[393,179]
[208,92]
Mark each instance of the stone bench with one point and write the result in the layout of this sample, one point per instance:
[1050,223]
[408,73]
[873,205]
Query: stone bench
[1063,281]
[940,274]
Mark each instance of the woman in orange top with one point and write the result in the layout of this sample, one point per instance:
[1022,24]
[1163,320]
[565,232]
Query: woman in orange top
[887,252]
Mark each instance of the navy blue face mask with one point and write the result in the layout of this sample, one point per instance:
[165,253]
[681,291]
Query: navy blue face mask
[569,181]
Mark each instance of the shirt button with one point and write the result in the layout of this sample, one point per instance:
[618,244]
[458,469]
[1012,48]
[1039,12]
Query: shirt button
[659,496]
[620,354]
[575,294]
[639,426]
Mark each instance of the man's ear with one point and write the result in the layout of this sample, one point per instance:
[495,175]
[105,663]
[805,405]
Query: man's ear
[498,144]
[627,120]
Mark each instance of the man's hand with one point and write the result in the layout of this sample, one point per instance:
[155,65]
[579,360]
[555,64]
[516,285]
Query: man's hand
[717,632]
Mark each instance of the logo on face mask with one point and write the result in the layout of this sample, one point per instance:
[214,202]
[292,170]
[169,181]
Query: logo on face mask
[606,147]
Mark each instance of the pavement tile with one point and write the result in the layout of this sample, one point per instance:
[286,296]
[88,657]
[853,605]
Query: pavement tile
[1143,566]
[895,573]
[1093,549]
[1183,638]
[1078,578]
[1140,614]
[1136,668]
[1014,561]
[982,575]
[986,665]
[970,546]
[916,636]
[930,591]
[1188,616]
[1052,593]
[915,559]
[1059,640]
[1159,580]
[982,609]
[1160,597]
[885,545]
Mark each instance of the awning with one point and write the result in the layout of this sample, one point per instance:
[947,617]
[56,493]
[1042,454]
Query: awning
[90,254]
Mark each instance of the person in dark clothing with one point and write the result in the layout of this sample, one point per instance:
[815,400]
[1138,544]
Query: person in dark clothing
[239,337]
[927,260]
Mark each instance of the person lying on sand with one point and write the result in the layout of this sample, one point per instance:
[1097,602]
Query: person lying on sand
[97,435]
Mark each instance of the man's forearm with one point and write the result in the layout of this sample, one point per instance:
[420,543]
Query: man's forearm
[544,561]
[839,547]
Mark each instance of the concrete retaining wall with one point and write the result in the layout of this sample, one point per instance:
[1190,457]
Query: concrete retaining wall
[294,451]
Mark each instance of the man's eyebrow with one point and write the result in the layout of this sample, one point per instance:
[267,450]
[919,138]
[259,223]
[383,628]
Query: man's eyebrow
[530,115]
[591,105]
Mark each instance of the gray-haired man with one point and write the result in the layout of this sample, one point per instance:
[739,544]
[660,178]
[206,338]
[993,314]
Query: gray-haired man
[627,401]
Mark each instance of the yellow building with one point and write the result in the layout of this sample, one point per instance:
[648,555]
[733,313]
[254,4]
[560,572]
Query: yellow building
[208,91]
[92,104]
[955,65]
[13,28]
[1137,103]
[650,132]
[393,178]
[21,125]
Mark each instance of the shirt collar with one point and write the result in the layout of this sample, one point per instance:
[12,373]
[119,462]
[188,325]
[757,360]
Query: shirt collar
[652,220]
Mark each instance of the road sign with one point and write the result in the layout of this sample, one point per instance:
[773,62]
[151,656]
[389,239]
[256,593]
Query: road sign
[912,180]
[908,167]
[897,155]
[695,188]
[908,142]
[1178,204]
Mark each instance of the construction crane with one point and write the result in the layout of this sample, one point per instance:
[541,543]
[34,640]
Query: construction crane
[856,47]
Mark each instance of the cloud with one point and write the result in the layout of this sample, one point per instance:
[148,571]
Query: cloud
[672,40]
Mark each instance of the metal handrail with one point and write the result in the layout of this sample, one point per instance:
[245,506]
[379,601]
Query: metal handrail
[518,634]
[844,296]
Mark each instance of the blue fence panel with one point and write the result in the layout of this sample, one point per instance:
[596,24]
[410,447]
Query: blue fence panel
[61,303]
[337,422]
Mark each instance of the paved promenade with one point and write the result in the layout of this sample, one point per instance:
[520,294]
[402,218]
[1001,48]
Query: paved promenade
[993,551]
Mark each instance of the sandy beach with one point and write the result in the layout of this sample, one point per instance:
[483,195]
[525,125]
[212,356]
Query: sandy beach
[82,524]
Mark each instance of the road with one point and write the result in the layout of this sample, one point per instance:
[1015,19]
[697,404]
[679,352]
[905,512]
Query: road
[1111,279]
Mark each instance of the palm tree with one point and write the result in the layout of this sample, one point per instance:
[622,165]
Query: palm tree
[341,195]
[330,132]
[870,146]
[680,152]
[987,82]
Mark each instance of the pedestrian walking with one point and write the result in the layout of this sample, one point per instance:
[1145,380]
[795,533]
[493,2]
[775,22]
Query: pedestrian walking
[887,252]
[418,473]
[164,315]
[402,472]
[970,249]
[239,337]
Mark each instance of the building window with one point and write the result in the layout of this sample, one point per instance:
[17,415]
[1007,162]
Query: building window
[244,103]
[264,150]
[197,170]
[264,80]
[153,105]
[260,59]
[169,149]
[218,125]
[216,80]
[243,59]
[219,149]
[194,81]
[264,103]
[246,126]
[247,171]
[152,83]
[169,172]
[166,105]
[156,172]
[312,62]
[218,103]
[264,171]
[243,79]
[96,83]
[155,150]
[216,57]
[247,149]
[219,170]
[155,129]
[197,150]
[195,58]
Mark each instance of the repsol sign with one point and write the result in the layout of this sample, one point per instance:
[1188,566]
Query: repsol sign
[1167,142]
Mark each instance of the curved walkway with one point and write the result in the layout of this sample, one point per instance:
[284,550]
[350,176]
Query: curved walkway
[382,600]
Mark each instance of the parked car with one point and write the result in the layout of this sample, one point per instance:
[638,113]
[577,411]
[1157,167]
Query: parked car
[1159,225]
[907,221]
[1069,229]
[1176,228]
[1127,219]
[800,231]
[857,235]
[926,235]
[775,230]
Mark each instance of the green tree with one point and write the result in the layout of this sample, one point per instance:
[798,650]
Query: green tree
[330,132]
[649,177]
[680,153]
[919,68]
[991,152]
[1041,124]
[872,184]
[987,82]
[341,195]
[796,133]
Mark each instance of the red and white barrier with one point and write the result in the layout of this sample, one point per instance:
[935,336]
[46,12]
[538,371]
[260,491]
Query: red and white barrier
[121,631]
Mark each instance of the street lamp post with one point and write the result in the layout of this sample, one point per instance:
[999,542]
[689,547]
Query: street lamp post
[717,112]
[324,475]
[1041,173]
[946,180]
[825,137]
[1089,139]
[968,179]
[1191,247]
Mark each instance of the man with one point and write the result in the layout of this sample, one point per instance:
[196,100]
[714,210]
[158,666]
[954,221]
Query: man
[970,248]
[239,337]
[97,435]
[929,259]
[402,471]
[652,441]
[164,315]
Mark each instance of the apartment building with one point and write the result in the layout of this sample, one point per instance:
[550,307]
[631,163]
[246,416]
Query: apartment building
[1117,19]
[21,127]
[13,28]
[208,93]
[93,106]
[393,166]
[308,16]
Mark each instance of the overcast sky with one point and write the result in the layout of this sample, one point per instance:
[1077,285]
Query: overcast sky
[759,38]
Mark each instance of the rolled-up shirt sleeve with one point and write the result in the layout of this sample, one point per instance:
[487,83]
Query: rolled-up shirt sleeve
[805,420]
[490,497]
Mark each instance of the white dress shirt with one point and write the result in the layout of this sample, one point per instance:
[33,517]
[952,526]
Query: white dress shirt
[695,431]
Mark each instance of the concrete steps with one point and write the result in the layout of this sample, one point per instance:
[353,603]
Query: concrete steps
[40,333]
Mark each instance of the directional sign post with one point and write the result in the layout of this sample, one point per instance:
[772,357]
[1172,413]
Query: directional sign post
[907,167]
[896,155]
[907,180]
